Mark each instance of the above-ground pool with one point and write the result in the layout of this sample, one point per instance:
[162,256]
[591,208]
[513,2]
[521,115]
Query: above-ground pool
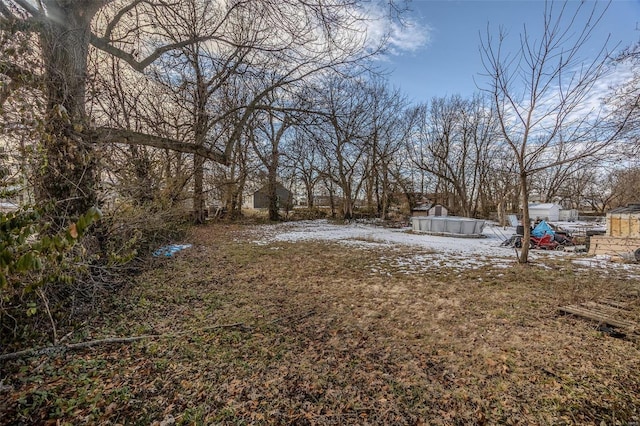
[448,225]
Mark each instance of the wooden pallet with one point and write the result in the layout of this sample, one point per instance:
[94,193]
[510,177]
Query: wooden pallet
[604,311]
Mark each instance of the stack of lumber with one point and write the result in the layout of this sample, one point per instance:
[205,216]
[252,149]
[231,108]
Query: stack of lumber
[613,246]
[607,312]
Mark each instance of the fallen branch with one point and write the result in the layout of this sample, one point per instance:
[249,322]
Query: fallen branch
[60,349]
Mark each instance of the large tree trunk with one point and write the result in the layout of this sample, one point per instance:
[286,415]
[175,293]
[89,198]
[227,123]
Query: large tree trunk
[274,202]
[272,185]
[309,190]
[199,135]
[236,208]
[332,198]
[502,212]
[143,191]
[198,190]
[347,208]
[347,201]
[383,194]
[68,169]
[524,185]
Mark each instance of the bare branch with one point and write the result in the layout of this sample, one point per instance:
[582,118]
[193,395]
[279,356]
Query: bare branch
[16,72]
[6,12]
[28,7]
[110,135]
[116,19]
[104,45]
[60,349]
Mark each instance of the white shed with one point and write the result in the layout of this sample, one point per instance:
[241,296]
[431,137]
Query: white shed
[545,211]
[438,210]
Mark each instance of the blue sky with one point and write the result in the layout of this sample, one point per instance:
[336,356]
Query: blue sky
[437,54]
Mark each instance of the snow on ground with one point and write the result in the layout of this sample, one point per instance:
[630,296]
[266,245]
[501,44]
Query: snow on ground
[412,253]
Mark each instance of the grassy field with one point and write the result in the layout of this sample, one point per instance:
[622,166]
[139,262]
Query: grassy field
[319,333]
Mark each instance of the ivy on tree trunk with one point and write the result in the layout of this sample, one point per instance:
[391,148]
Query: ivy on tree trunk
[68,166]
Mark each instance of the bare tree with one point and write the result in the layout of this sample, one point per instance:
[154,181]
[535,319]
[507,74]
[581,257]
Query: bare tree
[236,51]
[230,181]
[500,188]
[453,144]
[560,182]
[599,194]
[346,114]
[309,36]
[141,174]
[388,128]
[625,100]
[302,158]
[573,190]
[541,94]
[270,130]
[624,184]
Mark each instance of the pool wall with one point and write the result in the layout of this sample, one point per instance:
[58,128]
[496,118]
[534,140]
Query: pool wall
[449,226]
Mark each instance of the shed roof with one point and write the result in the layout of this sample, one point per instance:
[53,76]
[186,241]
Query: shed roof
[543,206]
[630,208]
[422,207]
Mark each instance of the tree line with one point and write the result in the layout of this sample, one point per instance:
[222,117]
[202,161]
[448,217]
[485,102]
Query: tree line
[114,107]
[141,98]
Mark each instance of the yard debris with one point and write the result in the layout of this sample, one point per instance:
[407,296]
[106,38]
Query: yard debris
[544,237]
[612,316]
[57,350]
[170,250]
[424,339]
[633,256]
[611,331]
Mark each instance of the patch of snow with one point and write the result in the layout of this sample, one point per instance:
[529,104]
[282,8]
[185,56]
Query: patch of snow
[430,251]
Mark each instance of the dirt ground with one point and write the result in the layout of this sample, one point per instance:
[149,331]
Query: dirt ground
[322,333]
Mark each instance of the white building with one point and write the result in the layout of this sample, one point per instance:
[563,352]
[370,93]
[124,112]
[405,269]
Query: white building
[545,211]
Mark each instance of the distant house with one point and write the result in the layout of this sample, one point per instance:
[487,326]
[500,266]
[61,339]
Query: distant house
[545,211]
[260,198]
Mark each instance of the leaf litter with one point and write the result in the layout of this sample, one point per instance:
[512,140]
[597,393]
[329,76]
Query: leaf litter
[355,333]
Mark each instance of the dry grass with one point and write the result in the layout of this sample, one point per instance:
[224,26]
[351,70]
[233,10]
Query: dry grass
[329,341]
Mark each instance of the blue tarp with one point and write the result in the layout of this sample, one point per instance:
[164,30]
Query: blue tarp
[541,229]
[169,250]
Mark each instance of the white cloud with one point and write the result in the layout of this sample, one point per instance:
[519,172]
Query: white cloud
[401,35]
[579,111]
[410,36]
[613,77]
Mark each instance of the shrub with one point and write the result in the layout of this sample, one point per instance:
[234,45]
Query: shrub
[33,258]
[49,280]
